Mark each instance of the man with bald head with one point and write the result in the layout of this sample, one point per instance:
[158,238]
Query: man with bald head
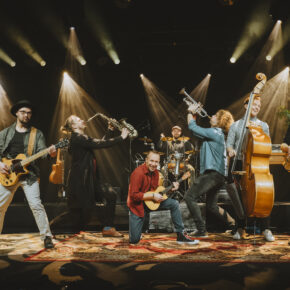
[143,181]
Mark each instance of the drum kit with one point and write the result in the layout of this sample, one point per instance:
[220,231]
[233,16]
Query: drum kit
[173,165]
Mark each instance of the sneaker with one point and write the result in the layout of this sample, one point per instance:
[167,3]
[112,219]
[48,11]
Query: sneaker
[48,244]
[199,234]
[182,239]
[268,236]
[239,234]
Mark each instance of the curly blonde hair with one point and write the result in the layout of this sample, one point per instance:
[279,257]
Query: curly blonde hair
[225,120]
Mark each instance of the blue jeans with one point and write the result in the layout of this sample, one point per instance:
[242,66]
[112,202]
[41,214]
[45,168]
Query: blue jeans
[210,182]
[136,222]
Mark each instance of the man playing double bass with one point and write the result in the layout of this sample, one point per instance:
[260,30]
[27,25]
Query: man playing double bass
[232,144]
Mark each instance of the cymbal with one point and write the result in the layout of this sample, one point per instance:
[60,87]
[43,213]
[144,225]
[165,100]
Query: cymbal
[160,153]
[183,138]
[189,152]
[145,139]
[166,139]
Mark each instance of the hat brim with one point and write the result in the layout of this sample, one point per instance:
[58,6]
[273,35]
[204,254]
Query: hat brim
[15,108]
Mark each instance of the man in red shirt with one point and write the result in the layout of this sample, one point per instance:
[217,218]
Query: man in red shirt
[143,179]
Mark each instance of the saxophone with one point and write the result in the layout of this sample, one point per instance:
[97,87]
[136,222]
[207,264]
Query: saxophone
[133,133]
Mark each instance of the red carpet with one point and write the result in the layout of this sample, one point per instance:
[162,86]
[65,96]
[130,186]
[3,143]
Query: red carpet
[163,248]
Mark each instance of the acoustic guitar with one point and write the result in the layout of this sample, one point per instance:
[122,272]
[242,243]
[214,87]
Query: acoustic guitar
[57,174]
[154,205]
[17,166]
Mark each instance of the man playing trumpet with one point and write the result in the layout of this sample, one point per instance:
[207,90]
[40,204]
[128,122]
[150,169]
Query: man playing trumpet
[213,167]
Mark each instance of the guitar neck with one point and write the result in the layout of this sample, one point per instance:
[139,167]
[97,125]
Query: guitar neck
[34,157]
[170,186]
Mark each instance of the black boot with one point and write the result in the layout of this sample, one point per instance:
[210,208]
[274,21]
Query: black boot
[48,244]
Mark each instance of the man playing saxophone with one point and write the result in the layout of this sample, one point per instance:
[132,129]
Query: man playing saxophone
[83,181]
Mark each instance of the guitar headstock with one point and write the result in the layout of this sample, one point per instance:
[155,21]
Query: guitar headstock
[61,144]
[185,175]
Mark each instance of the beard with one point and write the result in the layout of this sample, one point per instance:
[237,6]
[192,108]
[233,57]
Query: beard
[24,122]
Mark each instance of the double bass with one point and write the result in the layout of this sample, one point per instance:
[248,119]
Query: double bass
[256,183]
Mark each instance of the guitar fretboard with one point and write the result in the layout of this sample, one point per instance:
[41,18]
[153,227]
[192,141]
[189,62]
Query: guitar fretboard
[34,157]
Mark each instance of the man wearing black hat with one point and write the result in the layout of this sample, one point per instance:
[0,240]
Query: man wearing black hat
[14,140]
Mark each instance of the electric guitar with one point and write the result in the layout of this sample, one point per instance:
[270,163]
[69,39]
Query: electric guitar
[17,166]
[154,205]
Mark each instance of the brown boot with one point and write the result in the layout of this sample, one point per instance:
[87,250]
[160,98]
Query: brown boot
[112,232]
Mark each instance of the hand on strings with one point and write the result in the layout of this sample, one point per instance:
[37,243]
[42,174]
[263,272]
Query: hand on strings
[231,152]
[52,151]
[175,186]
[125,133]
[4,168]
[157,197]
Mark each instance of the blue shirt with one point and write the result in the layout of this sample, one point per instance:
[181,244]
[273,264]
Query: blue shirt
[213,149]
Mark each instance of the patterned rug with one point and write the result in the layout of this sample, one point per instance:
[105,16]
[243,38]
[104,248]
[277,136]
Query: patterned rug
[217,248]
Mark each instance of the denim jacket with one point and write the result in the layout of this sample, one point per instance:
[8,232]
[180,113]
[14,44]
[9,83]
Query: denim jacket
[213,148]
[236,130]
[6,136]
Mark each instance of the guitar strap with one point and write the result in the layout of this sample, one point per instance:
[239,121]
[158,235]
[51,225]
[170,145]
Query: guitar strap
[31,141]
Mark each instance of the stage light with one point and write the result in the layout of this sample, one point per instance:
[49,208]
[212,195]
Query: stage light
[268,57]
[273,96]
[75,48]
[199,93]
[23,43]
[72,28]
[43,63]
[141,76]
[100,30]
[232,59]
[256,25]
[73,99]
[6,58]
[81,60]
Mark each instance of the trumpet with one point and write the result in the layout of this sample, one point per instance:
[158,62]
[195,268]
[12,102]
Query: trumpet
[189,101]
[118,125]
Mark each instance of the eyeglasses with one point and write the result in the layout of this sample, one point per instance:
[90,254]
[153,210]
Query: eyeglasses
[25,113]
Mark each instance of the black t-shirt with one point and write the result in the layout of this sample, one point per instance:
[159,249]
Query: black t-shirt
[16,145]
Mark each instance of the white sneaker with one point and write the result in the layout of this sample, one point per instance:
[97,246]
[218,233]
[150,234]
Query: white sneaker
[268,236]
[237,236]
[240,233]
